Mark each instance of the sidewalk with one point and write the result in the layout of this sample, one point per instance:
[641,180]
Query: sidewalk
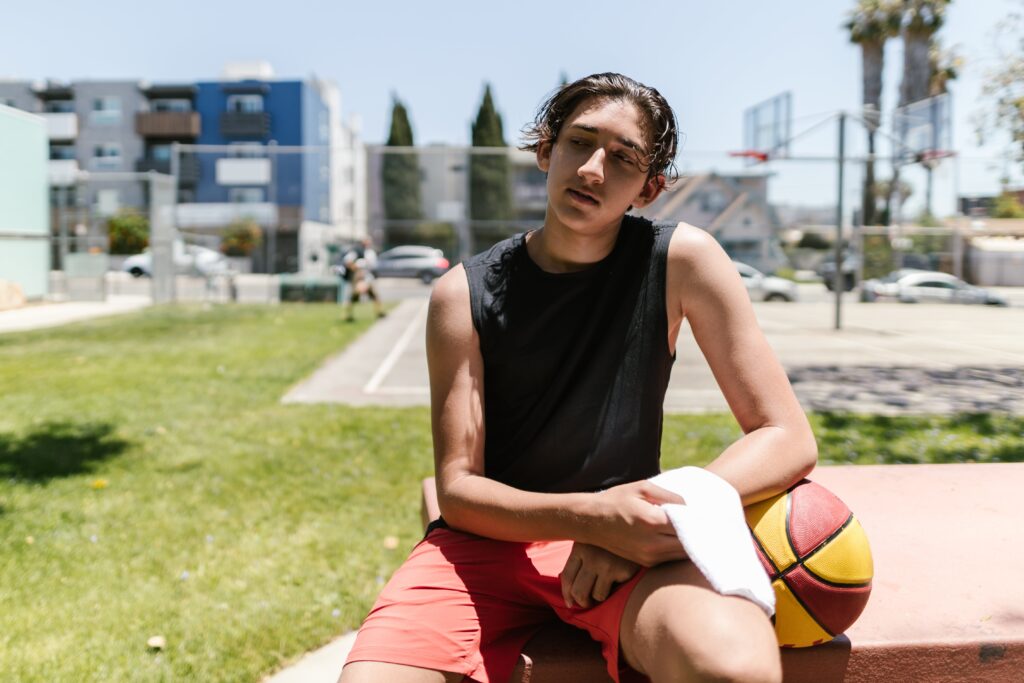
[320,666]
[61,313]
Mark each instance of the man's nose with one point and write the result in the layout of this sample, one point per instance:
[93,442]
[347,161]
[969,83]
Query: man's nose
[593,170]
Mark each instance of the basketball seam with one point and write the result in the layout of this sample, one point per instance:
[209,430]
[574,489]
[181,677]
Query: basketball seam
[810,613]
[757,541]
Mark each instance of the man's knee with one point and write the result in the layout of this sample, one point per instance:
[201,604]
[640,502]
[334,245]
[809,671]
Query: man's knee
[720,652]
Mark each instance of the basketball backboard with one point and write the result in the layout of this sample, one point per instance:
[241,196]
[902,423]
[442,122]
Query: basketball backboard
[924,128]
[767,128]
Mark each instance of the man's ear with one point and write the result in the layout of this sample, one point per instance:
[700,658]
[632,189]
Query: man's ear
[652,188]
[544,155]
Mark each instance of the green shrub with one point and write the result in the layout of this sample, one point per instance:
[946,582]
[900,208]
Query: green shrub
[241,238]
[128,232]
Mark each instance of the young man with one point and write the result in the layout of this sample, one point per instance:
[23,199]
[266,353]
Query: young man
[549,358]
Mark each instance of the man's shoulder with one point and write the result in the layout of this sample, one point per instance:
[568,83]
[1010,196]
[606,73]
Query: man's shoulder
[497,253]
[689,244]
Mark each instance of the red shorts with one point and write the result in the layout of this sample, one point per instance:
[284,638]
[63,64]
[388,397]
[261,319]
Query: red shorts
[467,604]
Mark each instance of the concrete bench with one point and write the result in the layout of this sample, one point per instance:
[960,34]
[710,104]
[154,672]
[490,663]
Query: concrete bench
[947,601]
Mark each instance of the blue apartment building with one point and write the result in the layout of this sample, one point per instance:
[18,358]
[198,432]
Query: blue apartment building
[239,140]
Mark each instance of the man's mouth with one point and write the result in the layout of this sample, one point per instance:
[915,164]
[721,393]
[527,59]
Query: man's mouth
[583,196]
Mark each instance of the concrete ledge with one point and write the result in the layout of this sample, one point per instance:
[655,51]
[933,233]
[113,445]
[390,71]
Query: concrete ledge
[947,600]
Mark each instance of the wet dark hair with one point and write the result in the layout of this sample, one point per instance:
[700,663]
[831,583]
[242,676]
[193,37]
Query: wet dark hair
[660,126]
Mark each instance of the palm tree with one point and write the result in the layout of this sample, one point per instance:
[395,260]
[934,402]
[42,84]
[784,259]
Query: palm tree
[871,23]
[945,67]
[921,21]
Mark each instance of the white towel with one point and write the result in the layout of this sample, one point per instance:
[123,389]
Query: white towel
[714,533]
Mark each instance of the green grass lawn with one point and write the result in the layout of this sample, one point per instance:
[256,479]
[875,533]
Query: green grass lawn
[152,484]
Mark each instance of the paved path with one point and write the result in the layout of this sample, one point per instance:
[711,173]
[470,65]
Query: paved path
[44,315]
[319,666]
[888,359]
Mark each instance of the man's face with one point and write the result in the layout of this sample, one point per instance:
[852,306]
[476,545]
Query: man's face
[596,166]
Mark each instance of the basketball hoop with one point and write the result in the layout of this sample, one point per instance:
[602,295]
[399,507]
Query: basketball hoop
[757,155]
[930,158]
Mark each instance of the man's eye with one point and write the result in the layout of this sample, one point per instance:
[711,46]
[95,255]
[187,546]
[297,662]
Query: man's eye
[577,141]
[625,159]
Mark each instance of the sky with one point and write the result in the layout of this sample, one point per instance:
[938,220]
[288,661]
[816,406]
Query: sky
[710,60]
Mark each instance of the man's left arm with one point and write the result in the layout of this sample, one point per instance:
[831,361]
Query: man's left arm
[778,447]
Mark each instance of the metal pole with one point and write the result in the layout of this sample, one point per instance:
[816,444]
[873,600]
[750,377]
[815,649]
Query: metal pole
[838,275]
[62,226]
[272,232]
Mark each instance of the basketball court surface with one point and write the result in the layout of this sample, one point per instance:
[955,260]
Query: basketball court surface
[887,359]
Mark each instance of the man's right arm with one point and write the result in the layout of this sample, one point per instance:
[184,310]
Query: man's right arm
[625,520]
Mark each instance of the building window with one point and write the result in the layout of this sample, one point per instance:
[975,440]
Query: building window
[106,110]
[59,107]
[9,102]
[712,202]
[170,104]
[246,195]
[108,202]
[62,152]
[245,104]
[106,157]
[161,152]
[186,196]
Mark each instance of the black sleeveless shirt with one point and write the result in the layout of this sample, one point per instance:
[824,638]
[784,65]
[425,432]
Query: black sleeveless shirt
[575,364]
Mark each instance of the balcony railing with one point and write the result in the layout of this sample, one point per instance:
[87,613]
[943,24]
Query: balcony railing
[62,126]
[188,168]
[168,124]
[63,172]
[239,124]
[210,215]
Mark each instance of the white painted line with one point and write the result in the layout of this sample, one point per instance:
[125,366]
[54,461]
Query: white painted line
[389,362]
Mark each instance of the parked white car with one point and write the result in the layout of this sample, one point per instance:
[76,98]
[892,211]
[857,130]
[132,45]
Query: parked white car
[763,287]
[188,258]
[925,286]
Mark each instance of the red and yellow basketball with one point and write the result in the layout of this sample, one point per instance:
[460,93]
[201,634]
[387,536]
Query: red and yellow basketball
[818,559]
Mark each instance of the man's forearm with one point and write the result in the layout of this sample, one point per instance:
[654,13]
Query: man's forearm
[490,508]
[766,461]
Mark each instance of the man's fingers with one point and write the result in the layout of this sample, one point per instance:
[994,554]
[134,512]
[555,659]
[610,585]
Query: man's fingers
[602,588]
[583,587]
[656,494]
[568,575]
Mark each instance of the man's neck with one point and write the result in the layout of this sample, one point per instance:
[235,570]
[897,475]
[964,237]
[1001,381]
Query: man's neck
[557,249]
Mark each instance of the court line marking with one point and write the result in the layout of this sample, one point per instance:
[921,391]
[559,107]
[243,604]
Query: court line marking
[389,361]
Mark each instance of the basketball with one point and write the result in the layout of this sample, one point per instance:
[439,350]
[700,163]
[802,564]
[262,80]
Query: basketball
[817,557]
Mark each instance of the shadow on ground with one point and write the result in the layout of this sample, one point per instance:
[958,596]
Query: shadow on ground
[58,449]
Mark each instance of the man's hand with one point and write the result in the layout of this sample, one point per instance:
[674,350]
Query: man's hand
[629,522]
[590,573]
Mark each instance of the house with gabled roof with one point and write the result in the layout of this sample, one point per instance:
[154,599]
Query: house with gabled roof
[733,207]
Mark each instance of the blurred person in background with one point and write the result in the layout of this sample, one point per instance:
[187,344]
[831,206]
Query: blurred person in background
[359,262]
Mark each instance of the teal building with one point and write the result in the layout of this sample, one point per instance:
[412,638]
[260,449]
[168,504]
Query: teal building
[24,202]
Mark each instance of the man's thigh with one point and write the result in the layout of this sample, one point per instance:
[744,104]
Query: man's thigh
[676,627]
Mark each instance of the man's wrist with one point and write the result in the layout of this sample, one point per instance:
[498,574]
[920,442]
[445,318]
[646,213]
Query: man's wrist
[584,510]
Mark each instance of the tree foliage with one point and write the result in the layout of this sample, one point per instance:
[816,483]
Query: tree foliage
[400,170]
[128,232]
[1008,206]
[489,186]
[241,237]
[1003,89]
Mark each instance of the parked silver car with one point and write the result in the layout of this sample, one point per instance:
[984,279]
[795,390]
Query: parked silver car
[763,287]
[425,263]
[188,259]
[925,286]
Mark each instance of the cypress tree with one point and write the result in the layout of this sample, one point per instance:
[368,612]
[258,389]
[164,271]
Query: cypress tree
[490,197]
[400,171]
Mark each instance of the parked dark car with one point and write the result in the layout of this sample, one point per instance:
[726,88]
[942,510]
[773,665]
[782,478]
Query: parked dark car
[424,263]
[849,270]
